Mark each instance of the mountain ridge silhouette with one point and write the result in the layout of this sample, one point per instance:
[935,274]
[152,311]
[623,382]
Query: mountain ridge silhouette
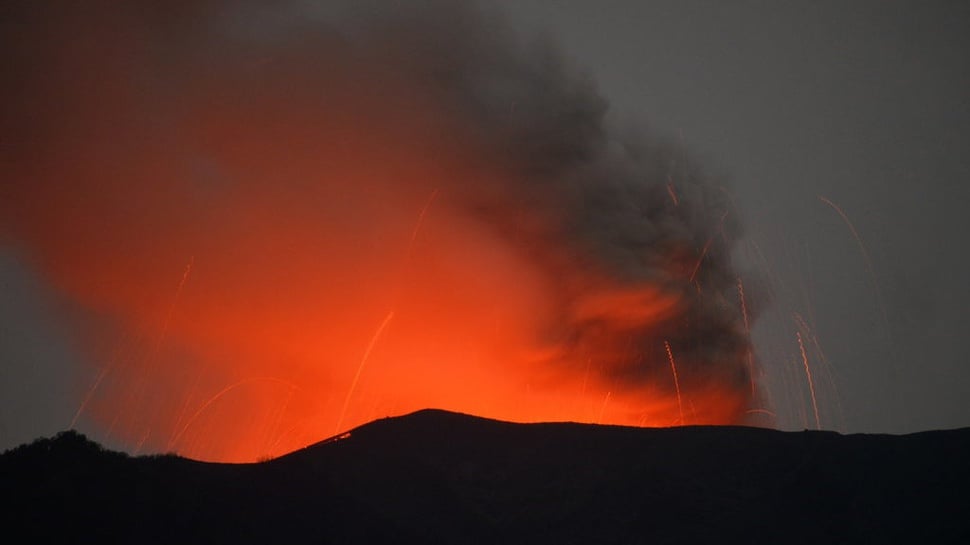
[442,477]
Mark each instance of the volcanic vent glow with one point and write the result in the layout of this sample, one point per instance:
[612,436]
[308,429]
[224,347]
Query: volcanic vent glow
[283,224]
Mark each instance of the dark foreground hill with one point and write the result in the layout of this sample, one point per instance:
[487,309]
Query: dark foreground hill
[438,477]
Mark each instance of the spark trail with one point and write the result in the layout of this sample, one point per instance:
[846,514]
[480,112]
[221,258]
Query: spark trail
[808,375]
[823,360]
[673,194]
[221,393]
[865,256]
[154,352]
[697,266]
[171,308]
[747,331]
[87,398]
[880,300]
[417,225]
[673,369]
[707,247]
[117,355]
[360,369]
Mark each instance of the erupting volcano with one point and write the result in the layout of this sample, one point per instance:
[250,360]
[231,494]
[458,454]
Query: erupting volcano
[276,224]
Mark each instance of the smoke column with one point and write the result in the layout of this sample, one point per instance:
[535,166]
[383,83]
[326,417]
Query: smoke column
[282,220]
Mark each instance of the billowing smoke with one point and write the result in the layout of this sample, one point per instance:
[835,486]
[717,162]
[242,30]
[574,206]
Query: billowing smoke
[282,220]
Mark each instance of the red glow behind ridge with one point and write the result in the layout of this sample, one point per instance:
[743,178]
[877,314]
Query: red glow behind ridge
[264,265]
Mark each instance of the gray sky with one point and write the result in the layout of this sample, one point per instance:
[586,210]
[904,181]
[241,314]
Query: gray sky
[865,104]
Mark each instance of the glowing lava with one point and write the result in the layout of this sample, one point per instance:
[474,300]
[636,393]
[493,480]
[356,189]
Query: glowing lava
[368,229]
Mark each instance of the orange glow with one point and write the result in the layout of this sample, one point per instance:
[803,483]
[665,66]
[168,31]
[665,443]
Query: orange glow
[273,254]
[282,333]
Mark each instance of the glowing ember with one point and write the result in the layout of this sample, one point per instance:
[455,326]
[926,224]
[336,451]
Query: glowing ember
[673,371]
[374,231]
[808,376]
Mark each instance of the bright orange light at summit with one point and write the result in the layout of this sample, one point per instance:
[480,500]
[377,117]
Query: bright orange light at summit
[278,249]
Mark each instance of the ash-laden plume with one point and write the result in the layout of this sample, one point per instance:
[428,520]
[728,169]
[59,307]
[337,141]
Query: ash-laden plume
[287,219]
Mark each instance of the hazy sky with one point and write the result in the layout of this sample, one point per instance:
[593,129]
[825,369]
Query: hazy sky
[864,103]
[844,131]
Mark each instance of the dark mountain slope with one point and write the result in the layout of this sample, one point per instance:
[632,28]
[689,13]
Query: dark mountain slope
[439,477]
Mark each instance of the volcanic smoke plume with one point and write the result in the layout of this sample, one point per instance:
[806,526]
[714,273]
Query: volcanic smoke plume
[283,220]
